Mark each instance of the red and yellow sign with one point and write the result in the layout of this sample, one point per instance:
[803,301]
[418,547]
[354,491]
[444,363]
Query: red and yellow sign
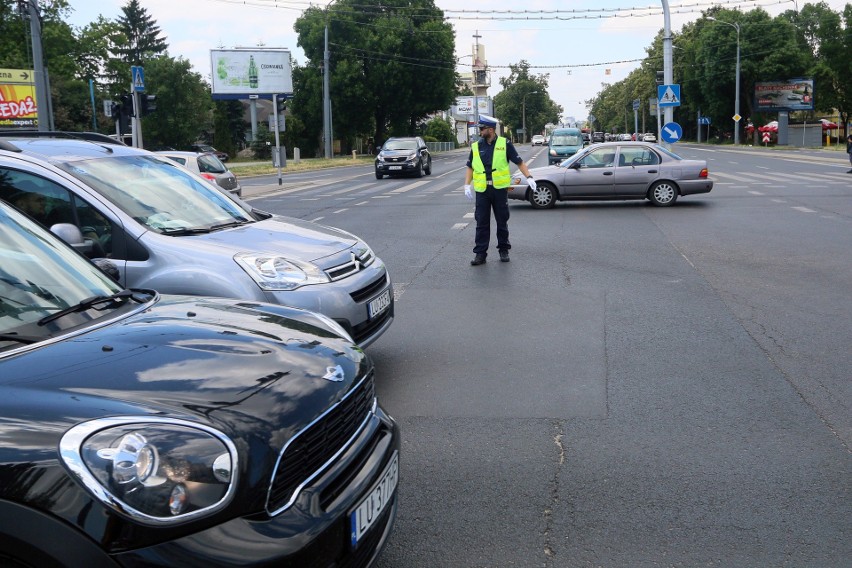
[17,99]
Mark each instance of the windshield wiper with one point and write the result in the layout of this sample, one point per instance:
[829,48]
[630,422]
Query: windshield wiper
[89,303]
[183,230]
[228,224]
[26,339]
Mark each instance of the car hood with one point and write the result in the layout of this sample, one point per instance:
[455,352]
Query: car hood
[294,238]
[247,369]
[545,171]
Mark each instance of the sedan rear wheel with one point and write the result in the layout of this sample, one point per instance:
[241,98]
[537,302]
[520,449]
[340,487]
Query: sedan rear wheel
[663,193]
[543,196]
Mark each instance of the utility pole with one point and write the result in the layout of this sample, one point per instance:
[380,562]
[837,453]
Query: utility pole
[41,89]
[326,98]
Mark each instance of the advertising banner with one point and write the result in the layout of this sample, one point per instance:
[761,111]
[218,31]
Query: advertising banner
[792,94]
[17,99]
[240,73]
[465,107]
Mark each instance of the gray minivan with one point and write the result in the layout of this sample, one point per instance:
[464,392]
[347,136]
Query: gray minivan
[162,227]
[564,143]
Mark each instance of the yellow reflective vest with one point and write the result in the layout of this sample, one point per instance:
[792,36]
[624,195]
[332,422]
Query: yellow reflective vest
[500,174]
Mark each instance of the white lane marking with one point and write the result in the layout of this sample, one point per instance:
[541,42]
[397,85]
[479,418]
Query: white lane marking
[341,210]
[804,209]
[381,196]
[779,200]
[459,226]
[409,187]
[757,193]
[317,219]
[362,203]
[468,215]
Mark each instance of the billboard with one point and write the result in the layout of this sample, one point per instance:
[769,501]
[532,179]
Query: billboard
[240,73]
[465,107]
[17,99]
[792,94]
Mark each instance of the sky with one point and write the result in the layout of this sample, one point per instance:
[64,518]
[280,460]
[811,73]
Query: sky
[579,46]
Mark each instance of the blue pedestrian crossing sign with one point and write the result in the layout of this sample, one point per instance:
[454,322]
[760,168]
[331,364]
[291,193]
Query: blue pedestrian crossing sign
[671,132]
[668,95]
[137,75]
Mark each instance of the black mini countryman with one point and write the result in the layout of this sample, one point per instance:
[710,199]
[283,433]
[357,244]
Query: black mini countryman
[146,430]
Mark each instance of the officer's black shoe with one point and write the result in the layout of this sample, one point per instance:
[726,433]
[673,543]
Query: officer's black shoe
[504,256]
[477,260]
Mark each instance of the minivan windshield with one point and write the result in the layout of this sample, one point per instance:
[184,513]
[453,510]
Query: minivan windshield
[158,193]
[566,140]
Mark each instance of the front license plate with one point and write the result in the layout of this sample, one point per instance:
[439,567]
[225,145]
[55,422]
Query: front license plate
[380,304]
[371,508]
[395,168]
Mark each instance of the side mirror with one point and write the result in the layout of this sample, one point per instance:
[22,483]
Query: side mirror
[71,234]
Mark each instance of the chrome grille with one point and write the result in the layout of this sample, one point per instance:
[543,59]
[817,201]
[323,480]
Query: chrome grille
[354,265]
[314,448]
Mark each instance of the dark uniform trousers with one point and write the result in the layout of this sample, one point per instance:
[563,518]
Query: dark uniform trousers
[486,201]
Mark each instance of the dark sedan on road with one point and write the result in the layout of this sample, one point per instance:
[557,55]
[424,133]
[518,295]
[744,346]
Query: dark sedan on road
[400,156]
[614,171]
[162,431]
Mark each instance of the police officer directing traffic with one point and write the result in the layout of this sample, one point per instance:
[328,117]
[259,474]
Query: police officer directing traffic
[488,168]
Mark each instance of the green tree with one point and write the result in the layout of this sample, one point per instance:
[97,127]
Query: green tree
[184,107]
[392,64]
[229,126]
[140,36]
[829,35]
[440,130]
[519,86]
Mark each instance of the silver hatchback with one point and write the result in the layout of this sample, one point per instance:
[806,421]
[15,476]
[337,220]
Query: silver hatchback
[208,166]
[160,227]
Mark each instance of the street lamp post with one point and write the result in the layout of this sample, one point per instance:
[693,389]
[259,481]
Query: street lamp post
[524,113]
[736,26]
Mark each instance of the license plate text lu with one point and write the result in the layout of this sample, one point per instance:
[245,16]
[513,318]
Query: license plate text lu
[380,304]
[371,508]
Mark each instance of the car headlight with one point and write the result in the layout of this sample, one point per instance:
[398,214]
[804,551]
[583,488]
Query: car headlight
[380,158]
[154,470]
[411,157]
[273,272]
[552,152]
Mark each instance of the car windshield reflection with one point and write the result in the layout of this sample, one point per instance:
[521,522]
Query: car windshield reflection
[158,194]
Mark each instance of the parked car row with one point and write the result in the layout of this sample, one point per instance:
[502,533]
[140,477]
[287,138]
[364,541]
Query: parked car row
[234,426]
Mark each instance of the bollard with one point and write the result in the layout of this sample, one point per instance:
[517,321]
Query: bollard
[354,155]
[297,154]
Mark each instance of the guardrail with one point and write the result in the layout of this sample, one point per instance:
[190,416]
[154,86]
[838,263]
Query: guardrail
[440,146]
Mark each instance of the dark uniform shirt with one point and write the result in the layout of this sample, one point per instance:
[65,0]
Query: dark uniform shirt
[486,154]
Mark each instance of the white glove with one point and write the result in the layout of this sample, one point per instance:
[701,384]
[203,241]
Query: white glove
[531,183]
[468,192]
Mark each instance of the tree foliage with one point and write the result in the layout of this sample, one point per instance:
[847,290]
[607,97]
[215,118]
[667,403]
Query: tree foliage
[525,94]
[139,38]
[815,42]
[392,64]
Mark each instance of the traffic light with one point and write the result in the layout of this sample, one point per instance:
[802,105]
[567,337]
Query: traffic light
[282,104]
[122,112]
[661,78]
[148,104]
[127,104]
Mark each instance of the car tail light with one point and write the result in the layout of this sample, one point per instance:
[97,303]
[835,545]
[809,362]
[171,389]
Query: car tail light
[703,173]
[212,179]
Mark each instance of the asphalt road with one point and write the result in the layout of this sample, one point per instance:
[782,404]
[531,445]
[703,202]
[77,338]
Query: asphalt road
[637,387]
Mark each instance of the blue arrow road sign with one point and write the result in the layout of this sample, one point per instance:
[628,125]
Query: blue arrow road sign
[137,75]
[671,132]
[668,95]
